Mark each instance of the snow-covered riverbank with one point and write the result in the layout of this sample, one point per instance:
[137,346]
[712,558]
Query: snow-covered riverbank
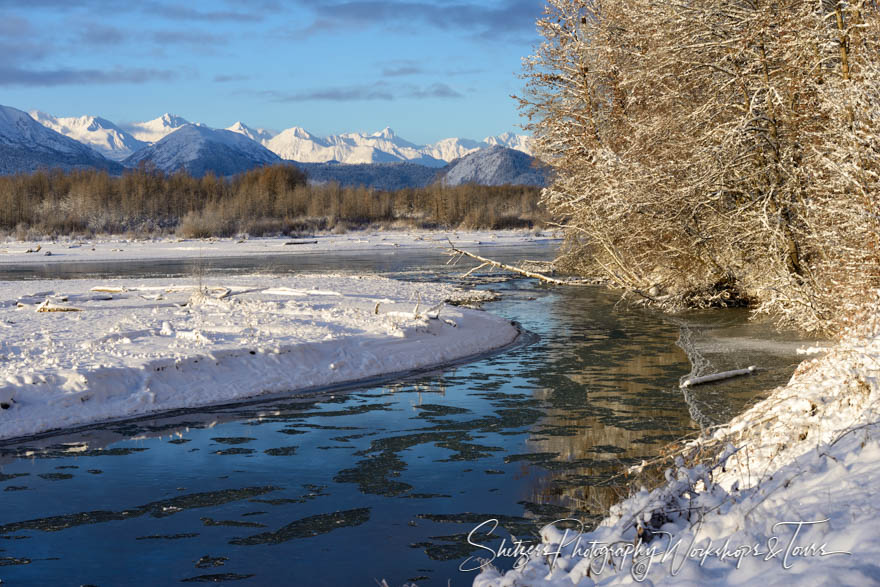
[73,249]
[121,348]
[791,500]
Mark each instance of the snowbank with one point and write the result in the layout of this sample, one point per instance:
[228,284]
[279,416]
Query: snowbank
[67,249]
[74,352]
[785,495]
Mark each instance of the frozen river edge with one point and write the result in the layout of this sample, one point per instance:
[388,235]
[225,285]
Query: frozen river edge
[76,352]
[784,494]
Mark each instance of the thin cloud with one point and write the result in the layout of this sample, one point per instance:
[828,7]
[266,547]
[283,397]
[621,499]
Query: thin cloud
[402,71]
[25,51]
[176,12]
[456,72]
[15,76]
[96,34]
[188,38]
[505,19]
[15,26]
[169,10]
[409,67]
[380,91]
[377,91]
[434,91]
[222,79]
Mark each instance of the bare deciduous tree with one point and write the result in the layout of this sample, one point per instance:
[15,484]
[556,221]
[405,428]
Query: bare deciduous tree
[716,151]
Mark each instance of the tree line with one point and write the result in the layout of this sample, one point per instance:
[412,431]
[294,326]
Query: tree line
[269,200]
[715,152]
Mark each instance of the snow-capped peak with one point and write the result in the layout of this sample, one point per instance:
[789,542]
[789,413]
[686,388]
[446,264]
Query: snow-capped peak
[300,132]
[42,117]
[98,133]
[155,130]
[453,148]
[199,149]
[172,120]
[259,135]
[385,133]
[511,141]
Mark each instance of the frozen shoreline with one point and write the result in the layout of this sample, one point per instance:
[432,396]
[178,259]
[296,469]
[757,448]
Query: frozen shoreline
[790,499]
[70,249]
[131,347]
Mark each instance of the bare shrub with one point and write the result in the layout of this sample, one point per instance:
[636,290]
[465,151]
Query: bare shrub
[262,226]
[204,224]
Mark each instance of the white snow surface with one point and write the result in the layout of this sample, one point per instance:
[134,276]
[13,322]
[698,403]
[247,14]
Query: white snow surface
[129,347]
[68,249]
[155,130]
[93,131]
[511,141]
[790,500]
[453,148]
[258,135]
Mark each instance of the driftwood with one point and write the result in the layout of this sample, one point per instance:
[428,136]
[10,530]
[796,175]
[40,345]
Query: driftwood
[48,306]
[691,381]
[490,263]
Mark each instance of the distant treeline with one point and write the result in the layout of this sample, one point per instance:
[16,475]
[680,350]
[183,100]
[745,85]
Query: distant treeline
[264,201]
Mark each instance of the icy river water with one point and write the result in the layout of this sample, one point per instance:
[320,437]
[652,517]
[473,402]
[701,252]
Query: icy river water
[354,486]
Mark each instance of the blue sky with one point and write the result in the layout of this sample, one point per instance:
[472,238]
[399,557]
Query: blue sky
[429,69]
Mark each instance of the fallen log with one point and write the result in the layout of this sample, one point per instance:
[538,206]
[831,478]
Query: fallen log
[490,263]
[691,381]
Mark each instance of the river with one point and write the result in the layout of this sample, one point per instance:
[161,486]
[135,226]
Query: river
[354,486]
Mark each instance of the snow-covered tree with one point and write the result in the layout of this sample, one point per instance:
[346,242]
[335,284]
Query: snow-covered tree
[715,151]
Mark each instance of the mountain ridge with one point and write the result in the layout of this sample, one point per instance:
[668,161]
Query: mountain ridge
[200,150]
[100,134]
[496,165]
[26,146]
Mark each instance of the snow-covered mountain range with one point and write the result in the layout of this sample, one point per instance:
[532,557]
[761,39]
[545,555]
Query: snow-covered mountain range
[171,142]
[118,142]
[298,144]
